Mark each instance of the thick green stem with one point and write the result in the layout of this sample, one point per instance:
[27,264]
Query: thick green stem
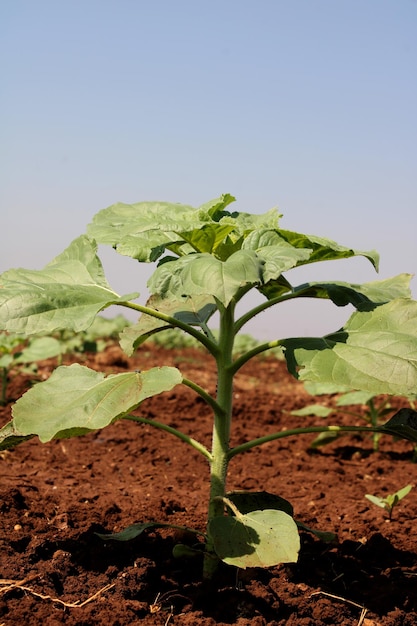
[221,431]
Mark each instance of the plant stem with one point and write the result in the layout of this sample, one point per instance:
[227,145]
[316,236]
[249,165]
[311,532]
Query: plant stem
[221,430]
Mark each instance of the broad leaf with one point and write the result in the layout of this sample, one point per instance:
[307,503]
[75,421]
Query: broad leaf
[313,409]
[257,539]
[363,297]
[67,293]
[279,256]
[203,274]
[403,424]
[208,238]
[326,249]
[40,348]
[76,399]
[144,230]
[376,351]
[355,397]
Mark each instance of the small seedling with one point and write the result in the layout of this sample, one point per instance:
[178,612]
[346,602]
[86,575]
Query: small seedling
[373,410]
[209,259]
[390,501]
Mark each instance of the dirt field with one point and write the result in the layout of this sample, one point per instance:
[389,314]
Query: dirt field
[54,498]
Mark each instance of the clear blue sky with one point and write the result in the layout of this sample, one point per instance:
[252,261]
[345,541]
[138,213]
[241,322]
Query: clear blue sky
[308,105]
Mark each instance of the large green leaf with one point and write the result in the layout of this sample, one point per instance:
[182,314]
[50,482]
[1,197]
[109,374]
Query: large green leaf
[203,274]
[279,256]
[257,539]
[192,310]
[76,399]
[67,293]
[375,351]
[325,249]
[145,229]
[363,297]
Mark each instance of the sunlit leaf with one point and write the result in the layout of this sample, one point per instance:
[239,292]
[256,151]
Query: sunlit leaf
[203,274]
[317,410]
[76,399]
[376,351]
[326,249]
[257,539]
[67,293]
[363,297]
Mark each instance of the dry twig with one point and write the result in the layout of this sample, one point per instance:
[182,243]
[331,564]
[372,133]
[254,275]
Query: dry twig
[359,606]
[9,585]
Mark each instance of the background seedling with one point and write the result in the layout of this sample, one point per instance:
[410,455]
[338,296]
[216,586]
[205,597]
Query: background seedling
[209,259]
[373,409]
[390,501]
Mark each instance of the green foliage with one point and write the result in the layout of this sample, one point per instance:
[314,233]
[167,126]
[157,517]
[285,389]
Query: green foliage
[390,501]
[95,338]
[208,259]
[375,414]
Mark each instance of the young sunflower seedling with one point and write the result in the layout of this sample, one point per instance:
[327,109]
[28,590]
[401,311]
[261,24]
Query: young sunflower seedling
[390,501]
[208,259]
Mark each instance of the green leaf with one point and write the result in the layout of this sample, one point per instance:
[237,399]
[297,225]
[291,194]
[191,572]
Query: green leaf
[355,397]
[319,410]
[375,351]
[67,293]
[257,539]
[208,238]
[376,500]
[325,249]
[10,437]
[363,297]
[203,274]
[278,255]
[320,388]
[76,399]
[403,424]
[38,349]
[143,230]
[215,209]
[401,493]
[131,532]
[192,310]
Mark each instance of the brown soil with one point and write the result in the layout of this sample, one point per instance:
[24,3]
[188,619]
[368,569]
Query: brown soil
[56,497]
